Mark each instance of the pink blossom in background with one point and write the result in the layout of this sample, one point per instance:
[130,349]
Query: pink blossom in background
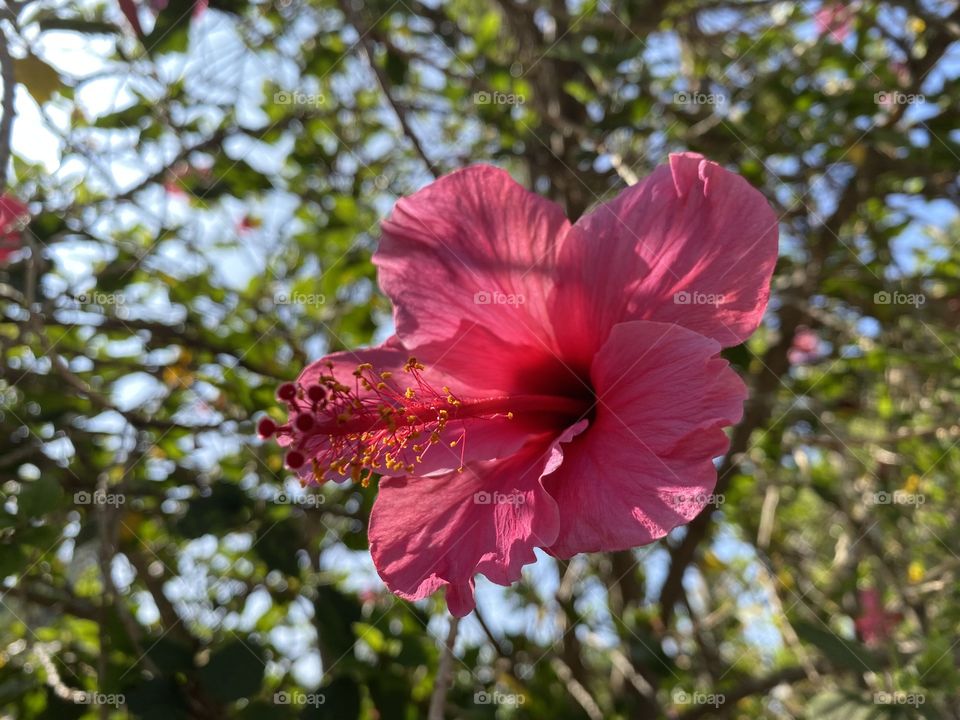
[248,224]
[835,19]
[874,624]
[174,184]
[550,384]
[901,71]
[805,348]
[131,12]
[14,216]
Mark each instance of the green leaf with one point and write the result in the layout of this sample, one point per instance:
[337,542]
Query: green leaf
[849,654]
[235,671]
[277,544]
[86,27]
[38,497]
[40,80]
[396,67]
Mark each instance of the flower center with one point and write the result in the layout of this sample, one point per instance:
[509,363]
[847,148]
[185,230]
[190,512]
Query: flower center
[379,422]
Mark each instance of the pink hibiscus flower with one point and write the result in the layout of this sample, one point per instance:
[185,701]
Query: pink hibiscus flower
[14,216]
[875,625]
[550,384]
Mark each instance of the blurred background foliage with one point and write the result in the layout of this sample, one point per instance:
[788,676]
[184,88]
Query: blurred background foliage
[204,184]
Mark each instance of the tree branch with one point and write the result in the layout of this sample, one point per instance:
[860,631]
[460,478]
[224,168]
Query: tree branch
[384,83]
[7,108]
[438,699]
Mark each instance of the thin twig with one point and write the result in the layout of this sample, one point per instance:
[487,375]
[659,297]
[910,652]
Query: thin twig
[576,689]
[384,82]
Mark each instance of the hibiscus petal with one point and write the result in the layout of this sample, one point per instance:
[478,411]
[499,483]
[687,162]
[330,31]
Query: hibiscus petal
[472,246]
[692,244]
[645,464]
[478,359]
[430,532]
[463,440]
